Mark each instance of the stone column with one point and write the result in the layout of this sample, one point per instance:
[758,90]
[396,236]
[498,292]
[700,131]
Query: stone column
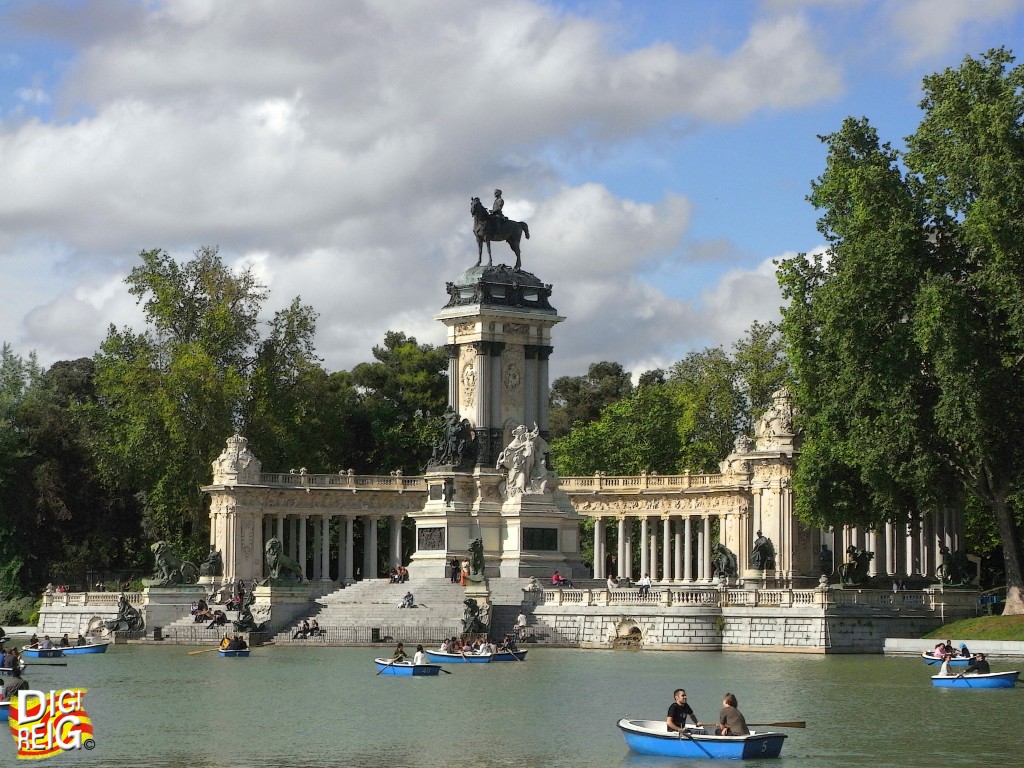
[268,526]
[677,574]
[645,566]
[317,551]
[293,545]
[325,541]
[628,564]
[369,547]
[889,551]
[341,550]
[599,549]
[349,523]
[621,565]
[688,550]
[543,354]
[666,549]
[871,546]
[395,553]
[280,530]
[909,536]
[706,549]
[302,546]
[653,559]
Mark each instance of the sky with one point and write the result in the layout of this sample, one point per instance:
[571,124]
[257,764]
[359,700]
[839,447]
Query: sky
[660,151]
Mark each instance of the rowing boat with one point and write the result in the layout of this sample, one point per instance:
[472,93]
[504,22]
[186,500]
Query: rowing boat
[652,737]
[226,653]
[459,658]
[509,656]
[405,668]
[934,661]
[77,650]
[976,680]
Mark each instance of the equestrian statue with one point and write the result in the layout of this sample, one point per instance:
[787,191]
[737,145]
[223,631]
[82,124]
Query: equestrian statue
[492,225]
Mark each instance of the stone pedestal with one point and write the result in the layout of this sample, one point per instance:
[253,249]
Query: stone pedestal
[165,605]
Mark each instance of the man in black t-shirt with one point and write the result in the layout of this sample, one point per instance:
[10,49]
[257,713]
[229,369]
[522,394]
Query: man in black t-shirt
[678,711]
[978,665]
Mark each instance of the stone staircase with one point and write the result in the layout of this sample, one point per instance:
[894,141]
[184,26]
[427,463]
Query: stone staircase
[368,612]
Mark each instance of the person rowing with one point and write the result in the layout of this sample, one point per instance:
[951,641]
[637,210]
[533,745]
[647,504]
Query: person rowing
[678,711]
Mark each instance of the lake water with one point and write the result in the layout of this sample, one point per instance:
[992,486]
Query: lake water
[156,706]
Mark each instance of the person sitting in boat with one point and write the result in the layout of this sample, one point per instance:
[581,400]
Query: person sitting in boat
[947,647]
[678,711]
[225,643]
[81,640]
[965,653]
[303,631]
[65,642]
[237,644]
[14,683]
[730,720]
[399,654]
[33,641]
[407,601]
[46,644]
[420,656]
[944,667]
[978,665]
[939,651]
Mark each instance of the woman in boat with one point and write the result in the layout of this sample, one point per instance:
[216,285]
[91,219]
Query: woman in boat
[420,657]
[944,667]
[730,719]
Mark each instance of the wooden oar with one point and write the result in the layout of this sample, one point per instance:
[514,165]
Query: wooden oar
[444,670]
[787,724]
[386,666]
[689,736]
[205,650]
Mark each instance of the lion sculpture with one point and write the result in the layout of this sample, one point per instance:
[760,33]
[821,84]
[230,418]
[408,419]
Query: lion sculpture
[280,567]
[171,570]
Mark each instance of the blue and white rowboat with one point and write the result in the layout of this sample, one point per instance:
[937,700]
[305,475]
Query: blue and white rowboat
[974,680]
[406,668]
[459,658]
[956,661]
[224,653]
[78,650]
[42,653]
[652,737]
[509,656]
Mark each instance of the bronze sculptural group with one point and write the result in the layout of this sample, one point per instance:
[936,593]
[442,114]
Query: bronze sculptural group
[280,567]
[725,561]
[171,570]
[762,556]
[492,225]
[854,572]
[128,619]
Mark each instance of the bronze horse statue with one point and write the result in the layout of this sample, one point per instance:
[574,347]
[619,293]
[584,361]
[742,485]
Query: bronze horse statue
[488,227]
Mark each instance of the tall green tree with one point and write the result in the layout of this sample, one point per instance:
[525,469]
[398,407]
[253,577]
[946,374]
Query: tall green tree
[168,396]
[404,393]
[907,340]
[578,400]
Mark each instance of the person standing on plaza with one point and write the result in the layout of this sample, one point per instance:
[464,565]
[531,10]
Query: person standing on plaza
[678,711]
[456,569]
[730,719]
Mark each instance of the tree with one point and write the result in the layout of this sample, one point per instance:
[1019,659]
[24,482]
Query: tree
[169,396]
[907,341]
[404,394]
[578,400]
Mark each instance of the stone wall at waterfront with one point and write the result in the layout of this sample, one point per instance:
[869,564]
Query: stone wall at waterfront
[809,621]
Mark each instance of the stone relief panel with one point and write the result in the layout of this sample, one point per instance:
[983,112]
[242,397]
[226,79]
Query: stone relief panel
[512,377]
[430,538]
[468,375]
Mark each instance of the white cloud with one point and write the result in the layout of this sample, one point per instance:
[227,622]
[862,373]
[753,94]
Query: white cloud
[928,29]
[335,146]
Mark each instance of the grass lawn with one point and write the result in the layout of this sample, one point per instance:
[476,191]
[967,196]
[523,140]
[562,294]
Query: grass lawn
[982,628]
